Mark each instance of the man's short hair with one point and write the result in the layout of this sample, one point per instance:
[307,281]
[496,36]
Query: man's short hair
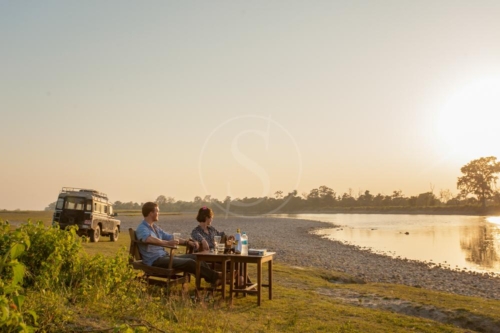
[148,207]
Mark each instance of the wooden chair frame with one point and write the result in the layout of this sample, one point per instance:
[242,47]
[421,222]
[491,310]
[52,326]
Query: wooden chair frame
[156,275]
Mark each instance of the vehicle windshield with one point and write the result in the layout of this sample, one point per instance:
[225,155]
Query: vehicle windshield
[74,203]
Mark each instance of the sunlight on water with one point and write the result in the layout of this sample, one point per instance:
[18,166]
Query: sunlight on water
[457,242]
[493,219]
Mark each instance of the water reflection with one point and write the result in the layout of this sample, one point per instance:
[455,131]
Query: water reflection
[481,243]
[459,242]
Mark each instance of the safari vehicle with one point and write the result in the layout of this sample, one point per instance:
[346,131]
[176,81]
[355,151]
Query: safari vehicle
[90,210]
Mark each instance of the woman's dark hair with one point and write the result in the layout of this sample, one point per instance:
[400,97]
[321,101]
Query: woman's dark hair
[203,213]
[148,207]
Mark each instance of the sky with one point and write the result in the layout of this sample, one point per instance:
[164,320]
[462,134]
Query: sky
[244,98]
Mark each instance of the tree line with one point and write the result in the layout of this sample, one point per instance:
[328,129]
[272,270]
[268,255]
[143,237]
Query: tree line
[477,188]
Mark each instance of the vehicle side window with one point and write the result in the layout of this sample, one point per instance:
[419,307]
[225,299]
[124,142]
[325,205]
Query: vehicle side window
[60,203]
[89,206]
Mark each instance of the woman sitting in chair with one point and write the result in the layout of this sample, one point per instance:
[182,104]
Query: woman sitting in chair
[204,233]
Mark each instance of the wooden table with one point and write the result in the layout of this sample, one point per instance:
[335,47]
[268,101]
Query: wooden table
[207,256]
[242,261]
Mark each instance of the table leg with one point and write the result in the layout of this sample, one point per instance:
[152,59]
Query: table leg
[198,279]
[270,272]
[241,270]
[223,286]
[231,269]
[259,283]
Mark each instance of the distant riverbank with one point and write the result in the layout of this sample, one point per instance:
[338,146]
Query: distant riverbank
[430,210]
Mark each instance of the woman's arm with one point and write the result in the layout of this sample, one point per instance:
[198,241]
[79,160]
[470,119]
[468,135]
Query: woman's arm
[196,236]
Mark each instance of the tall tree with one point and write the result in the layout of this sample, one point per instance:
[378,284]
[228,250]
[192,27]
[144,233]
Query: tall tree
[479,178]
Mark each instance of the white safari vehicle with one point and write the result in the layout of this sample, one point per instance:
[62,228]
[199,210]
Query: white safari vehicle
[90,210]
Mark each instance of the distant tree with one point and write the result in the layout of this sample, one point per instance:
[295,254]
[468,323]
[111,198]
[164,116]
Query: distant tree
[412,201]
[161,200]
[313,194]
[397,194]
[398,198]
[479,178]
[327,196]
[51,206]
[378,200]
[207,198]
[278,194]
[445,195]
[365,199]
[326,193]
[426,199]
[197,200]
[347,200]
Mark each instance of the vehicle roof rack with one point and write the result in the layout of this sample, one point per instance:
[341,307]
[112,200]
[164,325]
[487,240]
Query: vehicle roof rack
[94,192]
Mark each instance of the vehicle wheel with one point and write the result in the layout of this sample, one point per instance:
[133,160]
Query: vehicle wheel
[114,236]
[94,236]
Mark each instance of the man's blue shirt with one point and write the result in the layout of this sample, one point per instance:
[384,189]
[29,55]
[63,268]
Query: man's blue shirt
[151,252]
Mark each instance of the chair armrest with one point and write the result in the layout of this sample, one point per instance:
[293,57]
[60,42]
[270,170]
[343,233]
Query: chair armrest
[166,246]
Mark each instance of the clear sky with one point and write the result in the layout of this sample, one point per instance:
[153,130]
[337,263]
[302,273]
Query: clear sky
[244,98]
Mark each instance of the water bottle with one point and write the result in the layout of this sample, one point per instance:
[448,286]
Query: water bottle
[244,244]
[237,239]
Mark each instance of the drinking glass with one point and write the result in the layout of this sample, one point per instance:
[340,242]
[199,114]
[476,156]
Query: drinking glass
[221,247]
[177,235]
[216,242]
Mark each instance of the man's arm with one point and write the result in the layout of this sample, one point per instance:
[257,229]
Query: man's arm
[144,235]
[160,242]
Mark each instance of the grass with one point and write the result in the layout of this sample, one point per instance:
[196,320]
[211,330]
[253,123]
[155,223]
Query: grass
[24,215]
[304,300]
[312,300]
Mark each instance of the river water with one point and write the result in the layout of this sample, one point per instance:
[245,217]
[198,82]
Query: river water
[460,242]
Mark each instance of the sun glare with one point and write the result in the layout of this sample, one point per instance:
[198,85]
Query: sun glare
[469,123]
[494,219]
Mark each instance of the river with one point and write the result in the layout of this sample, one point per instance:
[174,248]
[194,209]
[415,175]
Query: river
[460,242]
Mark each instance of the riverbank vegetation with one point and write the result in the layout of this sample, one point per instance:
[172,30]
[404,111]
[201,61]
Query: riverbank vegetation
[51,282]
[477,195]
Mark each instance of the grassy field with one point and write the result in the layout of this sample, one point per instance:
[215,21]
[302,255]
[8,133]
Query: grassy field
[312,300]
[304,300]
[24,215]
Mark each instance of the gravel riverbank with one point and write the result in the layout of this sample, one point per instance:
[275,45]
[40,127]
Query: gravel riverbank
[295,245]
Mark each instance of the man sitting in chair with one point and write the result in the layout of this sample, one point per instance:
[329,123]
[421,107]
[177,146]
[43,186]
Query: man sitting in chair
[154,254]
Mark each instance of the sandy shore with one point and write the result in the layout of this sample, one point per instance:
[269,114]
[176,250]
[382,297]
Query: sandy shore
[295,245]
